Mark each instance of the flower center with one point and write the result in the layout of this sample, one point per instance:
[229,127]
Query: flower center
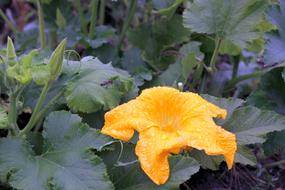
[169,124]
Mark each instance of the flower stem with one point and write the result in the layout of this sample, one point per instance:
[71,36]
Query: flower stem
[41,25]
[218,43]
[94,8]
[12,114]
[130,15]
[102,12]
[40,103]
[8,22]
[237,80]
[48,106]
[81,16]
[271,165]
[235,61]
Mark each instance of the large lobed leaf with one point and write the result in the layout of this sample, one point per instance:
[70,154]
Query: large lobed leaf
[95,85]
[248,123]
[275,44]
[158,36]
[231,20]
[270,95]
[65,162]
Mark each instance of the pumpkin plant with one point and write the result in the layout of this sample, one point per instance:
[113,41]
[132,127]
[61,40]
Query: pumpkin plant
[141,113]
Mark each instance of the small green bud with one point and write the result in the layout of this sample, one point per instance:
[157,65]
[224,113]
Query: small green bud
[11,54]
[56,60]
[60,20]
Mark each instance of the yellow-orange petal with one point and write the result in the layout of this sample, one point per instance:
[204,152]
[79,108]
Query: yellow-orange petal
[122,120]
[153,148]
[204,134]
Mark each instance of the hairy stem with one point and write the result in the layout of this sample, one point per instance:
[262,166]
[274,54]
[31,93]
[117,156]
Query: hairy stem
[102,12]
[218,43]
[48,106]
[12,114]
[130,15]
[81,16]
[8,22]
[235,61]
[41,25]
[94,8]
[40,103]
[239,79]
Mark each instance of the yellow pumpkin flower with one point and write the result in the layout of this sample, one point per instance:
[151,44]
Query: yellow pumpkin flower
[169,121]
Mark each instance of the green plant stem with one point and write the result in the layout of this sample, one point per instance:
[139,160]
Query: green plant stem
[8,22]
[130,15]
[81,17]
[236,60]
[203,83]
[12,114]
[270,165]
[94,8]
[102,12]
[41,25]
[40,103]
[239,79]
[48,106]
[218,43]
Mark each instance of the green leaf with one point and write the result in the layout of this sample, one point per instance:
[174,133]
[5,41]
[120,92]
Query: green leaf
[206,161]
[167,7]
[96,85]
[275,144]
[275,44]
[133,63]
[270,94]
[243,155]
[126,173]
[65,162]
[190,56]
[251,124]
[158,36]
[230,20]
[170,77]
[21,71]
[229,104]
[3,118]
[60,20]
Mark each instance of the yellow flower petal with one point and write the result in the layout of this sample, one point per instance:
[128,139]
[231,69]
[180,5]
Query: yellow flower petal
[204,134]
[153,156]
[168,121]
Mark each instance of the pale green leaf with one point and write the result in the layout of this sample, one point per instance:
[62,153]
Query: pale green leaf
[158,36]
[275,43]
[230,20]
[167,7]
[251,124]
[190,56]
[96,86]
[21,71]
